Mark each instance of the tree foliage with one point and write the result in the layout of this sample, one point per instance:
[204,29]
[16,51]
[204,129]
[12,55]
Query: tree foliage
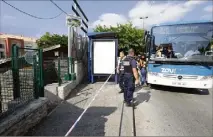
[128,36]
[48,40]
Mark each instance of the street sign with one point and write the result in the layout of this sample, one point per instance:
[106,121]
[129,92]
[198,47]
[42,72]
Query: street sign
[73,21]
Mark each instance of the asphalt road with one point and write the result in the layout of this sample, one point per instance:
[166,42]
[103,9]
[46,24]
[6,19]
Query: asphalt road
[174,112]
[160,111]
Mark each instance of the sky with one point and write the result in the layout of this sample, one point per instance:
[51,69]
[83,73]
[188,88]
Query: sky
[98,12]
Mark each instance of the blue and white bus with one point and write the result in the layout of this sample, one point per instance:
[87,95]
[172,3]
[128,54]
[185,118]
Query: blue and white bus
[178,55]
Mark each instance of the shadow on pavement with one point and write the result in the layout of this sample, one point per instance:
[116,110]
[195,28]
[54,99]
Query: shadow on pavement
[181,90]
[80,89]
[142,96]
[104,78]
[64,116]
[93,122]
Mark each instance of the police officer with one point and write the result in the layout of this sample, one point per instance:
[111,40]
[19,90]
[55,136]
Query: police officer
[130,77]
[120,71]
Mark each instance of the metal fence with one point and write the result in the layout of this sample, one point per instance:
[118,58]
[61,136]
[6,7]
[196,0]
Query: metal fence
[20,81]
[56,70]
[79,46]
[63,70]
[50,71]
[85,56]
[80,50]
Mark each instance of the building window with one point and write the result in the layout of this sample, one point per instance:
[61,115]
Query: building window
[2,55]
[1,46]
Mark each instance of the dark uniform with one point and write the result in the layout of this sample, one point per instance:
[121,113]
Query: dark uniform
[121,75]
[129,80]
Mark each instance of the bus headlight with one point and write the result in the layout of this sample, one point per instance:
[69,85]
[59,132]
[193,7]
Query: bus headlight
[207,78]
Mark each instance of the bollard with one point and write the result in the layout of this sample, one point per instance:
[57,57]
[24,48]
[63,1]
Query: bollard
[59,72]
[41,75]
[35,78]
[15,72]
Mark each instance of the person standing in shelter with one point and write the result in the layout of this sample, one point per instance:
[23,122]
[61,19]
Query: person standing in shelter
[130,77]
[120,71]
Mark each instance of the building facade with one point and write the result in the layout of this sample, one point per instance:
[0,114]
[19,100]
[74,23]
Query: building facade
[7,40]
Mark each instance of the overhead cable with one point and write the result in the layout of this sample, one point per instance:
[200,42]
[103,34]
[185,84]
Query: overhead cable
[59,7]
[28,13]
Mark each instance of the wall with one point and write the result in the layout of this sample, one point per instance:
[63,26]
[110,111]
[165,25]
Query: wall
[25,118]
[9,39]
[79,52]
[79,70]
[4,35]
[10,42]
[30,44]
[2,48]
[65,89]
[54,91]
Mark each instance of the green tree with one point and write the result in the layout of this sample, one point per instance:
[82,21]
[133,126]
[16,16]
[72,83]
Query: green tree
[128,36]
[48,40]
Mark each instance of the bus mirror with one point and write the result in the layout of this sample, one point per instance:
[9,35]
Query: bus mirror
[153,39]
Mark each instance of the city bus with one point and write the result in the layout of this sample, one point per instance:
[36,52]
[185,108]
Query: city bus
[180,55]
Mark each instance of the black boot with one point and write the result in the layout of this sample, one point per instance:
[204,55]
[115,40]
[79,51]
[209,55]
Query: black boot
[130,104]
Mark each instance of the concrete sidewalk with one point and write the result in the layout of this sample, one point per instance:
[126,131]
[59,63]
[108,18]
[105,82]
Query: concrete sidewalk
[101,119]
[160,112]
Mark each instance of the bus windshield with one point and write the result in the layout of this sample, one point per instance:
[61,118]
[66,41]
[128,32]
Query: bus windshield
[190,42]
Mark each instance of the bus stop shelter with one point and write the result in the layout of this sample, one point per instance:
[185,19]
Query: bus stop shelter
[102,57]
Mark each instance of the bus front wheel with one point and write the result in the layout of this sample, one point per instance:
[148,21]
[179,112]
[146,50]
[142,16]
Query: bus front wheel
[203,91]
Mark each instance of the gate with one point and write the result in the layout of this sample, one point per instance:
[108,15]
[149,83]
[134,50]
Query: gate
[22,81]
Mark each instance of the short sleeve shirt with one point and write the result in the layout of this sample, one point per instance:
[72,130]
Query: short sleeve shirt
[133,63]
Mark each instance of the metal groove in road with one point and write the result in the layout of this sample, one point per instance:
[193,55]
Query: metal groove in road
[133,120]
[121,120]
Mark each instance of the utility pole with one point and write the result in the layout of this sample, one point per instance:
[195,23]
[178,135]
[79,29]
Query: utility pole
[78,12]
[76,8]
[71,21]
[70,39]
[143,18]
